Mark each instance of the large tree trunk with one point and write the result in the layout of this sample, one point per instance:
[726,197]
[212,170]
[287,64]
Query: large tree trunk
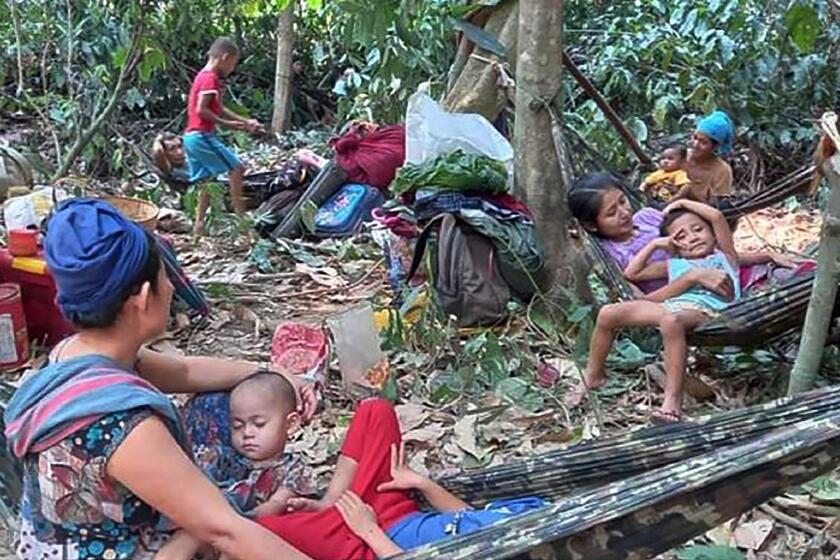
[475,90]
[538,77]
[281,118]
[824,292]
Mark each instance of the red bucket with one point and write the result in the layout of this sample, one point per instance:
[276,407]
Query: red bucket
[14,341]
[23,242]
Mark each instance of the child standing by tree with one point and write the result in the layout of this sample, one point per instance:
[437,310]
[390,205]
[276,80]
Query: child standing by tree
[207,155]
[699,238]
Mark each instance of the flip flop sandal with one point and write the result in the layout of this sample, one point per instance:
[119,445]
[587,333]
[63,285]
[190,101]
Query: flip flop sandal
[663,417]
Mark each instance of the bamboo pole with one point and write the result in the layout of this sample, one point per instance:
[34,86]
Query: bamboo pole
[824,292]
[602,104]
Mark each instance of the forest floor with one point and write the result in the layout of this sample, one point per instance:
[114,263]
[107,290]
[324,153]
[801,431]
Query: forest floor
[253,287]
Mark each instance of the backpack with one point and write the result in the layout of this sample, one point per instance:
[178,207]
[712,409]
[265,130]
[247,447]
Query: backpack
[343,213]
[521,254]
[464,272]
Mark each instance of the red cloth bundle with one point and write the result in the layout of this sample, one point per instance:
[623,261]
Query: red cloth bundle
[371,157]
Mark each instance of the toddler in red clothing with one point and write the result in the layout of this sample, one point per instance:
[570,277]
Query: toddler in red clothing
[367,512]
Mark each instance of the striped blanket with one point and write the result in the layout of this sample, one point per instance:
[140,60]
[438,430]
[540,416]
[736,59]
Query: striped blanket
[63,398]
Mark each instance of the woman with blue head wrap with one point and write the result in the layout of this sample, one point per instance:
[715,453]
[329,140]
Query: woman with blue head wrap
[709,175]
[101,445]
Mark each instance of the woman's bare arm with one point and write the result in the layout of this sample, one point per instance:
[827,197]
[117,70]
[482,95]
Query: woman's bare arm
[653,271]
[201,374]
[179,374]
[150,464]
[638,268]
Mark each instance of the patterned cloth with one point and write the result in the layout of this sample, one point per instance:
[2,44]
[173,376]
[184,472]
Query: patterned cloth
[73,509]
[431,203]
[185,291]
[68,396]
[245,484]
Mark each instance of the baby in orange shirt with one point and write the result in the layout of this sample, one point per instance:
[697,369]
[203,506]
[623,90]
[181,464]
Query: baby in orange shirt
[667,181]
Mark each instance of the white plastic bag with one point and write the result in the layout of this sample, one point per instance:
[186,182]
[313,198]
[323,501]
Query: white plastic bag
[29,210]
[431,131]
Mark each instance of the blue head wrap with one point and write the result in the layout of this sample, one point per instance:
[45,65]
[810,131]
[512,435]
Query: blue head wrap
[94,253]
[718,126]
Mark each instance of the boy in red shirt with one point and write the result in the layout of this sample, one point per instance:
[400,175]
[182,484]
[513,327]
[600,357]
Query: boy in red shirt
[207,155]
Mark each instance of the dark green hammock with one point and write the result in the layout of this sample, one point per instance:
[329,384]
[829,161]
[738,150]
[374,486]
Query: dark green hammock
[635,494]
[752,321]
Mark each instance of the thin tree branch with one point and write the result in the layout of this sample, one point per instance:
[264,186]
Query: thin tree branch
[132,60]
[18,46]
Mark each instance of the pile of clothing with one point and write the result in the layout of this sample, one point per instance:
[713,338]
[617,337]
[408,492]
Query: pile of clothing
[490,247]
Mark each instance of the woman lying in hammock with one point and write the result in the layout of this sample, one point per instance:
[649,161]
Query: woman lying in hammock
[696,238]
[602,208]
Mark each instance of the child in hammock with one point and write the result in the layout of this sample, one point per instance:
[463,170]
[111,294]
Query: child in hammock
[698,237]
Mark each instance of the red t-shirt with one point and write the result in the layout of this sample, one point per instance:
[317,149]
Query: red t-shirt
[206,82]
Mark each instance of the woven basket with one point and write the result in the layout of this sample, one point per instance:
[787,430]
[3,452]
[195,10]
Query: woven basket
[140,211]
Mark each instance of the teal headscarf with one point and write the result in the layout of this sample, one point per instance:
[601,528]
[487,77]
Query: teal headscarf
[718,126]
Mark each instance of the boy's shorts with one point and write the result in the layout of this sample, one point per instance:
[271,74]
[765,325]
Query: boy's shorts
[208,156]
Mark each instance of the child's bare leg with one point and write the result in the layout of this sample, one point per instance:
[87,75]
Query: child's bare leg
[674,327]
[611,318]
[201,211]
[236,177]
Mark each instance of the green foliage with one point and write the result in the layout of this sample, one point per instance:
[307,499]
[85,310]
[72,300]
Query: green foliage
[715,552]
[824,489]
[662,64]
[307,214]
[260,255]
[71,55]
[456,170]
[217,216]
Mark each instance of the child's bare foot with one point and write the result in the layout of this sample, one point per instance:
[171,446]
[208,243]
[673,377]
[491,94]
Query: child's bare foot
[663,416]
[199,230]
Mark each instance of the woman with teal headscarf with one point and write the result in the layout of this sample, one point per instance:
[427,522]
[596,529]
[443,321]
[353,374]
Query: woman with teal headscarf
[102,447]
[710,176]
